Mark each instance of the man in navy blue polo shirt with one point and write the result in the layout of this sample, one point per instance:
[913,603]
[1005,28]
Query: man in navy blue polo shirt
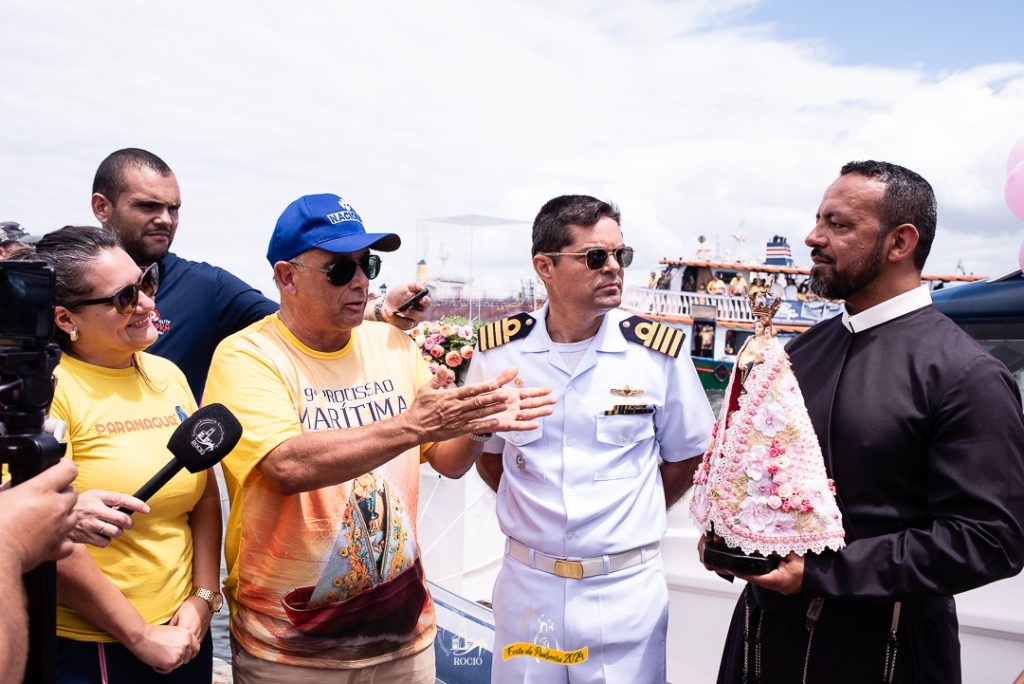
[136,195]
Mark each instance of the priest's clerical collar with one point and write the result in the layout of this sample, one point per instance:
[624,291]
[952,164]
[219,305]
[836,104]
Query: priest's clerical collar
[901,304]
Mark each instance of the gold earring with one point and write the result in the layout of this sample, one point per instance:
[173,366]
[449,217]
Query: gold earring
[73,335]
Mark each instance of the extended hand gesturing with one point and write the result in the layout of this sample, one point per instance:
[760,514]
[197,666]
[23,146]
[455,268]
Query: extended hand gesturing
[481,407]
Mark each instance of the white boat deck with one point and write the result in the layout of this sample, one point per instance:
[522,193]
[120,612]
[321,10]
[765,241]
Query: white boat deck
[683,304]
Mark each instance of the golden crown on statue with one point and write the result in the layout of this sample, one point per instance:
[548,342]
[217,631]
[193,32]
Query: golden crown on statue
[763,305]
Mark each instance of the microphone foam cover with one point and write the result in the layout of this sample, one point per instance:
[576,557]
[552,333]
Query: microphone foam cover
[205,437]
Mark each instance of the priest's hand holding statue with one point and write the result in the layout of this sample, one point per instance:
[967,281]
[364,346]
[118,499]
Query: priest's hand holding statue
[761,493]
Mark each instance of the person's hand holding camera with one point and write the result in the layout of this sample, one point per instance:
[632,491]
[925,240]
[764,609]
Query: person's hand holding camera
[40,516]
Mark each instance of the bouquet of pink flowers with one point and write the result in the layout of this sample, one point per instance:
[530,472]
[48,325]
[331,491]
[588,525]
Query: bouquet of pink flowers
[447,343]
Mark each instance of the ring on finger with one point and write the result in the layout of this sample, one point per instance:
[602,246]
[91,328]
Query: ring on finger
[103,526]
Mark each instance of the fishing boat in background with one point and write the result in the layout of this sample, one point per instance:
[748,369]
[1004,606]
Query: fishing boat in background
[706,297]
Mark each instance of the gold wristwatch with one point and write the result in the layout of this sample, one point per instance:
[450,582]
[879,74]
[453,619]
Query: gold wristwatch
[213,599]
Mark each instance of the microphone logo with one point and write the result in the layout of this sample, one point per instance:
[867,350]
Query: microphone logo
[207,435]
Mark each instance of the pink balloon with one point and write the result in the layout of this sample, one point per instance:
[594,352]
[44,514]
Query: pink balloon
[1016,156]
[1015,190]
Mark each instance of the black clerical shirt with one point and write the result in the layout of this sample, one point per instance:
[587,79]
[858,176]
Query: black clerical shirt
[922,431]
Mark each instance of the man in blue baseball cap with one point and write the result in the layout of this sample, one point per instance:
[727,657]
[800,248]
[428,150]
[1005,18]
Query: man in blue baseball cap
[136,195]
[323,562]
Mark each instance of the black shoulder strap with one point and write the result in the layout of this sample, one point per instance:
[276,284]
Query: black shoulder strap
[659,337]
[497,333]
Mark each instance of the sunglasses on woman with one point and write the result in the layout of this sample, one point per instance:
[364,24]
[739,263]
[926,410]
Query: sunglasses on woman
[127,298]
[341,272]
[597,257]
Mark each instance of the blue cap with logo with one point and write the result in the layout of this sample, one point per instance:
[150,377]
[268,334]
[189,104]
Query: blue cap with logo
[324,222]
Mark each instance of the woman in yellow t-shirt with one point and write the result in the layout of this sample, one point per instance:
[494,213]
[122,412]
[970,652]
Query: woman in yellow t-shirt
[142,604]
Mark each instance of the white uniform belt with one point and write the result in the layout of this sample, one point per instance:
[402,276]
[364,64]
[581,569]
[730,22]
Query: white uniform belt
[580,567]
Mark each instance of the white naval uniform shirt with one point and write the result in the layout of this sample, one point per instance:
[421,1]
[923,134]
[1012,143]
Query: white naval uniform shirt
[585,484]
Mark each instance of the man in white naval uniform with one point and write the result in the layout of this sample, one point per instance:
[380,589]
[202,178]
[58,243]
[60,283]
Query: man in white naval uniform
[583,497]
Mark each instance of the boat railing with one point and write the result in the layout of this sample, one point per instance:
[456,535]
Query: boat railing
[669,303]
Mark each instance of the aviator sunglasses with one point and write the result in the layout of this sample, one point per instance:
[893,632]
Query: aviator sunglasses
[597,257]
[127,298]
[341,272]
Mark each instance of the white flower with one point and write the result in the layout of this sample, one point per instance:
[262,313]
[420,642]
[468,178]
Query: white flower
[770,419]
[758,457]
[757,517]
[788,391]
[760,488]
[780,524]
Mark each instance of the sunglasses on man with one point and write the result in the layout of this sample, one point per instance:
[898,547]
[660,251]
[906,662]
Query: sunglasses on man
[127,298]
[342,272]
[597,257]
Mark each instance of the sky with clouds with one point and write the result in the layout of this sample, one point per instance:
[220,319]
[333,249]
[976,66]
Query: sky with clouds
[701,117]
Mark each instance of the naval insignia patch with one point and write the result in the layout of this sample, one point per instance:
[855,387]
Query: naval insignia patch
[653,335]
[497,333]
[629,409]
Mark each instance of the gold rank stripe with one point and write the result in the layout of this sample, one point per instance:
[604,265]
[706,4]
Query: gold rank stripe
[486,334]
[497,333]
[661,338]
[677,339]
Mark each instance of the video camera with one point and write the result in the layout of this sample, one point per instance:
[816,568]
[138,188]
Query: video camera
[28,356]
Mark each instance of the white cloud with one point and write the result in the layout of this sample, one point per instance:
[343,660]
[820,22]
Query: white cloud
[692,124]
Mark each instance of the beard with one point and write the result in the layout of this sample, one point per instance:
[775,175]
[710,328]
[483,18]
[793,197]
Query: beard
[141,253]
[842,284]
[133,239]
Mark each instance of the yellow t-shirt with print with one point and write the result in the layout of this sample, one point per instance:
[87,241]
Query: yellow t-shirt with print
[118,427]
[277,546]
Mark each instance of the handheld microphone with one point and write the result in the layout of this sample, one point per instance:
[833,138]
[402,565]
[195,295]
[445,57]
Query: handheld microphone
[201,441]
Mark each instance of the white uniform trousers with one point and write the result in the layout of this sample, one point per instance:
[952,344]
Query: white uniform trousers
[622,619]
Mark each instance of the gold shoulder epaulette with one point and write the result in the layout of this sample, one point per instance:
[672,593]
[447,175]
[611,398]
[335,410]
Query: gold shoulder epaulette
[653,335]
[497,333]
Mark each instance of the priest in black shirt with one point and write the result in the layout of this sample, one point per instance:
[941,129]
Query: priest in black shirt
[922,432]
